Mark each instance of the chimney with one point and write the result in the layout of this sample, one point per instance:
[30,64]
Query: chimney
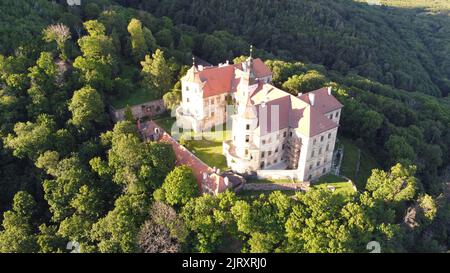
[226,181]
[227,62]
[205,175]
[200,67]
[311,97]
[299,94]
[329,90]
[218,171]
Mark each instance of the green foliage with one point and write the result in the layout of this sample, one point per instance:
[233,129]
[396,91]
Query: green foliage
[31,139]
[59,33]
[397,46]
[128,114]
[138,43]
[398,185]
[87,108]
[157,73]
[263,221]
[172,99]
[97,64]
[210,220]
[139,167]
[17,234]
[118,230]
[105,204]
[180,186]
[310,81]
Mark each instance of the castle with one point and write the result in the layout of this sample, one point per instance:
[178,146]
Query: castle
[273,133]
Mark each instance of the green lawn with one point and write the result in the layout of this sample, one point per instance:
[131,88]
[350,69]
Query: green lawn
[209,152]
[349,163]
[205,145]
[138,96]
[341,184]
[209,147]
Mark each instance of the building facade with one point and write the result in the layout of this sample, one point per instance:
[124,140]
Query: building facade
[272,130]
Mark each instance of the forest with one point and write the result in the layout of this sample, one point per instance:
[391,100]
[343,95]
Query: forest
[69,174]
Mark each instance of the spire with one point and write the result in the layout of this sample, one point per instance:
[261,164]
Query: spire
[194,68]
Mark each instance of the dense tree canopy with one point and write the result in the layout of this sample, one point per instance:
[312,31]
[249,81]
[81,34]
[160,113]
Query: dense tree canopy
[68,175]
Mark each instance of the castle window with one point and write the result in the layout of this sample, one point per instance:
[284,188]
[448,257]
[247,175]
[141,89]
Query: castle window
[276,150]
[246,152]
[187,99]
[312,153]
[247,138]
[212,114]
[320,150]
[275,161]
[262,154]
[269,153]
[262,165]
[284,134]
[318,163]
[310,167]
[321,138]
[327,148]
[264,142]
[282,147]
[331,116]
[247,127]
[309,177]
[187,88]
[290,134]
[337,114]
[324,170]
[329,135]
[314,141]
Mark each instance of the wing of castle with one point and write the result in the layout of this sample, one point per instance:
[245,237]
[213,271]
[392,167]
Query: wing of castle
[273,132]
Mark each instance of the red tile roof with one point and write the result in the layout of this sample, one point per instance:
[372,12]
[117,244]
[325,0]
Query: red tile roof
[221,79]
[260,69]
[312,122]
[296,112]
[323,102]
[277,109]
[217,80]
